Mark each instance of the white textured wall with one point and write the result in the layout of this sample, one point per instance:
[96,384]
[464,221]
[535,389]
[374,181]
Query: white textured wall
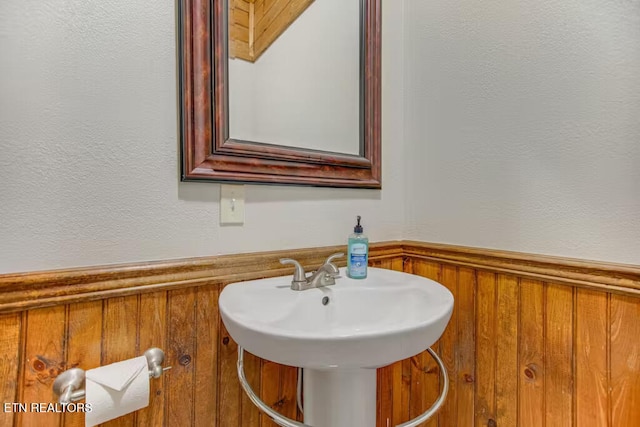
[304,89]
[523,125]
[521,131]
[89,149]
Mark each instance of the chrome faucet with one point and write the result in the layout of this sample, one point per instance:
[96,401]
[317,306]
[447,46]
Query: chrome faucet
[325,275]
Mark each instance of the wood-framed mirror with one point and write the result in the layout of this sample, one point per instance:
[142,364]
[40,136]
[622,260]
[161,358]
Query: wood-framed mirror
[208,153]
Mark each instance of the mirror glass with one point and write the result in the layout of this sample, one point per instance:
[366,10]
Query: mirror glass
[294,73]
[281,92]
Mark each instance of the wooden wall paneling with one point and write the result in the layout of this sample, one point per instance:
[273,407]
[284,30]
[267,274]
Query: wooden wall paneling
[259,7]
[390,378]
[241,13]
[254,26]
[507,351]
[153,333]
[250,415]
[84,345]
[279,390]
[10,345]
[239,34]
[625,361]
[602,276]
[207,321]
[181,356]
[402,398]
[425,375]
[558,351]
[397,264]
[531,358]
[384,395]
[465,346]
[229,397]
[241,50]
[486,338]
[43,360]
[448,415]
[380,263]
[394,381]
[520,351]
[24,291]
[402,376]
[288,384]
[120,340]
[239,28]
[270,389]
[591,391]
[275,20]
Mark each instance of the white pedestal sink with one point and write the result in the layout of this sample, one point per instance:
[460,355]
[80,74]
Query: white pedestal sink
[338,334]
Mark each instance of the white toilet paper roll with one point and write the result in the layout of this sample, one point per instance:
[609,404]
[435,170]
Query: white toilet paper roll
[117,389]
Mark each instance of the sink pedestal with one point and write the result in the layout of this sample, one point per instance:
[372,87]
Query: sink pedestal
[339,397]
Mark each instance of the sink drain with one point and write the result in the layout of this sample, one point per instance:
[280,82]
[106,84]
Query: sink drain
[325,300]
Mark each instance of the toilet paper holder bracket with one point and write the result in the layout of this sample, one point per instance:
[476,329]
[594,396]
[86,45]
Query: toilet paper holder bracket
[68,384]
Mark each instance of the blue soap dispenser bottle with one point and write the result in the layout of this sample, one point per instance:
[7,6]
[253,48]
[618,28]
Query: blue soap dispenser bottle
[357,253]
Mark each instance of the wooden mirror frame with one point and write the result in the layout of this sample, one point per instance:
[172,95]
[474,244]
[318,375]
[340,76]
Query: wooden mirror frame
[208,154]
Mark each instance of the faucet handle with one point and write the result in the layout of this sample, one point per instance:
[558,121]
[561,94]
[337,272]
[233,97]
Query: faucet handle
[298,275]
[334,256]
[329,262]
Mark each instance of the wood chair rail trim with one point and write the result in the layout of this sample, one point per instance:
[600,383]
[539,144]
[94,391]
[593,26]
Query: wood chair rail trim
[25,291]
[597,275]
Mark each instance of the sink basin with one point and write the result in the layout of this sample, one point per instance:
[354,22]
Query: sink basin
[367,323]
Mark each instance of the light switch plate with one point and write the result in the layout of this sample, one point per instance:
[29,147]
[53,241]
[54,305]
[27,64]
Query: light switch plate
[231,204]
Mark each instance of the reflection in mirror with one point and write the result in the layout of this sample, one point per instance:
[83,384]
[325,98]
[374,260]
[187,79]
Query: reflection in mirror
[294,73]
[330,61]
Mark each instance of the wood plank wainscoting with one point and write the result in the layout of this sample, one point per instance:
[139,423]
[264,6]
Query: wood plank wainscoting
[533,341]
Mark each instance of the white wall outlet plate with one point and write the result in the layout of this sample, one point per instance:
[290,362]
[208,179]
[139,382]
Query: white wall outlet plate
[231,204]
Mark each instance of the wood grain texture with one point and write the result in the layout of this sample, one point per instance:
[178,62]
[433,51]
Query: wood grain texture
[507,351]
[486,341]
[559,351]
[181,353]
[625,361]
[288,383]
[394,381]
[425,375]
[448,343]
[270,389]
[250,414]
[207,323]
[23,291]
[120,340]
[597,275]
[520,351]
[152,333]
[229,392]
[275,21]
[543,350]
[384,396]
[531,355]
[84,345]
[466,346]
[43,359]
[591,359]
[10,327]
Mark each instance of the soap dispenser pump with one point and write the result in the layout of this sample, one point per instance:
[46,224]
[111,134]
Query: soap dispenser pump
[357,253]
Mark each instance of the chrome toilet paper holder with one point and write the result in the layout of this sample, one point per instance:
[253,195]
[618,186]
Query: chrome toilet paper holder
[68,384]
